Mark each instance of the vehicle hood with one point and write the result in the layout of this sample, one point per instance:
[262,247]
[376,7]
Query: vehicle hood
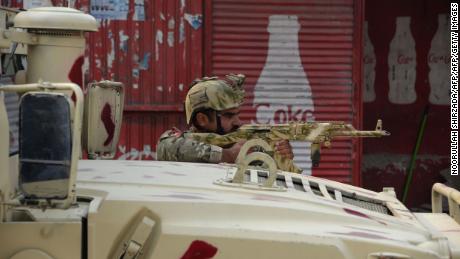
[190,191]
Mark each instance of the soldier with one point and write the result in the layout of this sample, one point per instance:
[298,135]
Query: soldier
[211,105]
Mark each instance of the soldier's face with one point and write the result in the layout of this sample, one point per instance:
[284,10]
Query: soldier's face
[229,119]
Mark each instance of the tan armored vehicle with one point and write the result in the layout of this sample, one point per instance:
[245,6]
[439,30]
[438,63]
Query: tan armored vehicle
[53,205]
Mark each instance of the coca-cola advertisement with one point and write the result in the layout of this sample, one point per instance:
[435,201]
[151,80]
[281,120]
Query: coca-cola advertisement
[275,99]
[410,79]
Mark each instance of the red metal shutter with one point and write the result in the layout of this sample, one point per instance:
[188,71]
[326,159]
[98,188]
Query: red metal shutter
[302,61]
[156,51]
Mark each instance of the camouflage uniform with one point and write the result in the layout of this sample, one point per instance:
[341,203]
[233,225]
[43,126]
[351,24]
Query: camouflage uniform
[208,92]
[176,146]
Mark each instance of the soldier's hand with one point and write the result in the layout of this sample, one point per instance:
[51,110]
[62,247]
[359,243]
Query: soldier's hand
[283,147]
[229,154]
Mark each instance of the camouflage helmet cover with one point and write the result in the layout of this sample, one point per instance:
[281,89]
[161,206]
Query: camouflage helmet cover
[217,94]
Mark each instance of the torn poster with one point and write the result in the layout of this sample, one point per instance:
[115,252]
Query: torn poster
[110,10]
[194,20]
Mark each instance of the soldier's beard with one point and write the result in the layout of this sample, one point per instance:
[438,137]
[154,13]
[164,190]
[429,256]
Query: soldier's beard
[220,130]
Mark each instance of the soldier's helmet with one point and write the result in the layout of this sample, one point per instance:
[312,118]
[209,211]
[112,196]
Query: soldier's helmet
[215,93]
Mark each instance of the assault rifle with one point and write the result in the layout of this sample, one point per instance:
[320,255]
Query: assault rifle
[318,133]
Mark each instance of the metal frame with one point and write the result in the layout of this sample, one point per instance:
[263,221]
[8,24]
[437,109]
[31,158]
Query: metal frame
[358,43]
[243,162]
[440,190]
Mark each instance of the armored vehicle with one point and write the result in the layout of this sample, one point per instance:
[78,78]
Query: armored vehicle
[54,205]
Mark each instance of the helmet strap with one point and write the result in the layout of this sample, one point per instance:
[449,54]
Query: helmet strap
[219,129]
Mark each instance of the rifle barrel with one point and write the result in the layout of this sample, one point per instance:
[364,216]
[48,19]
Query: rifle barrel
[361,133]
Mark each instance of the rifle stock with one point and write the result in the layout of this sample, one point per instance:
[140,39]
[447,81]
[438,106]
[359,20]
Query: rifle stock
[318,133]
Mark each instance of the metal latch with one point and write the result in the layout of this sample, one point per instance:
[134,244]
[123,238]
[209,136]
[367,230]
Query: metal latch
[453,197]
[244,161]
[133,248]
[387,255]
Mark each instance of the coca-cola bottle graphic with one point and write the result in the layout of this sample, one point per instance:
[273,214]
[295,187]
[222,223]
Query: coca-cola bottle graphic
[369,67]
[282,92]
[439,63]
[401,64]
